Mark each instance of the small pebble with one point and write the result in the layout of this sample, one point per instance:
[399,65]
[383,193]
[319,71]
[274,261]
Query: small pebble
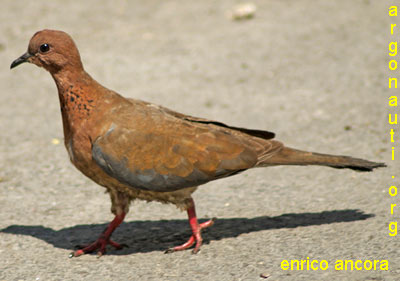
[243,11]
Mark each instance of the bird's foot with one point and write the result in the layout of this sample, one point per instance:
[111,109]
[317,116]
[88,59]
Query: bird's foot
[195,238]
[99,245]
[104,240]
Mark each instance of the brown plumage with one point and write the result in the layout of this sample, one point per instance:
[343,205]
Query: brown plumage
[138,150]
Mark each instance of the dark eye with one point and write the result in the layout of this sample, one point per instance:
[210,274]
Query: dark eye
[44,48]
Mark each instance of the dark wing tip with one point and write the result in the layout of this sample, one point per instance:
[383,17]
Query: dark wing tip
[366,166]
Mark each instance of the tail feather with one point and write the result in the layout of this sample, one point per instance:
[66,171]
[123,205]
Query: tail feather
[289,156]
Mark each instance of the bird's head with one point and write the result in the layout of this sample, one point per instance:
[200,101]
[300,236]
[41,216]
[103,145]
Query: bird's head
[51,49]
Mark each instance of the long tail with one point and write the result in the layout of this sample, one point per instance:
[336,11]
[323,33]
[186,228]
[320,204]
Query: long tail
[290,156]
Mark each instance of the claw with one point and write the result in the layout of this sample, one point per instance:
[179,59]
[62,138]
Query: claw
[169,251]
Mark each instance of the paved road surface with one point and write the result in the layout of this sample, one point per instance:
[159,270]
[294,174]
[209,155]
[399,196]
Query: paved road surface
[312,71]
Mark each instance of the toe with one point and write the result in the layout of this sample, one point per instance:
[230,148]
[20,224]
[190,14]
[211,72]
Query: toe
[169,251]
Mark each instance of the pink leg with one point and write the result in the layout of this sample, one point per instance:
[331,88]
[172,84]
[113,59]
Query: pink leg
[196,230]
[104,239]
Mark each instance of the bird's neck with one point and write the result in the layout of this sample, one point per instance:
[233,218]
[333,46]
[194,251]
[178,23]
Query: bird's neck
[65,79]
[78,98]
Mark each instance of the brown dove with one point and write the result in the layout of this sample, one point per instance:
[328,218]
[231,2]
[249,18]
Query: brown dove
[139,150]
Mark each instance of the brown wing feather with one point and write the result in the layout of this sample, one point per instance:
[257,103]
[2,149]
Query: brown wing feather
[260,141]
[166,151]
[162,153]
[252,132]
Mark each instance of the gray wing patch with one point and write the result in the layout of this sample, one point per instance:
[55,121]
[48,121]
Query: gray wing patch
[145,179]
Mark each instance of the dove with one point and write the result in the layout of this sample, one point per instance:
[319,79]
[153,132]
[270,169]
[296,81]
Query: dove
[139,150]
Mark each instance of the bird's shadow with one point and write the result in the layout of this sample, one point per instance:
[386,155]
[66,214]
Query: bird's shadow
[147,236]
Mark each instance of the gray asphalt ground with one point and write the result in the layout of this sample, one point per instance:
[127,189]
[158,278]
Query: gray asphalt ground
[312,71]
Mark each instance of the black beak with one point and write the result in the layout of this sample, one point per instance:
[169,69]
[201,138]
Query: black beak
[20,60]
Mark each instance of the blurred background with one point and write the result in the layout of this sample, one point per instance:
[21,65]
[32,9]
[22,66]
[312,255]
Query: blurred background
[312,71]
